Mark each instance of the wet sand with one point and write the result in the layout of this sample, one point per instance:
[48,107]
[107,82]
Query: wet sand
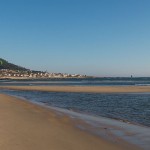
[90,89]
[27,126]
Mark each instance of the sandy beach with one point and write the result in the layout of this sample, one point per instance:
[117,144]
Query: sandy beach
[90,89]
[27,126]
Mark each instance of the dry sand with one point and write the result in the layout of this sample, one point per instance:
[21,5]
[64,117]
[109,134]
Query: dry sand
[26,126]
[91,89]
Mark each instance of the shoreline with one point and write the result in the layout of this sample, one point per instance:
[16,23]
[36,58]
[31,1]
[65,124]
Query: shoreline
[28,124]
[40,78]
[109,129]
[86,89]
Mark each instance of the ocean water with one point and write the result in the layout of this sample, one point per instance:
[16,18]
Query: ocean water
[131,109]
[142,81]
[127,107]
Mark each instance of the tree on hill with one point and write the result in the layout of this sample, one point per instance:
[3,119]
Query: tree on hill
[6,65]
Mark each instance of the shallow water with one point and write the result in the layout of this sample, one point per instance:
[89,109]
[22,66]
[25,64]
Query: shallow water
[128,107]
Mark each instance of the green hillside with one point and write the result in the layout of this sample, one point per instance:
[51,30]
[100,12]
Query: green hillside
[6,65]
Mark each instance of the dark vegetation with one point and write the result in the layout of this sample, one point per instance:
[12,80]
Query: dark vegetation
[6,65]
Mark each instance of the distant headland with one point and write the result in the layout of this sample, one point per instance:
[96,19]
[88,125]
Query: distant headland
[12,71]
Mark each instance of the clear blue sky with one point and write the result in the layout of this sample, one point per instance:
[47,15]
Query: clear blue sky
[93,37]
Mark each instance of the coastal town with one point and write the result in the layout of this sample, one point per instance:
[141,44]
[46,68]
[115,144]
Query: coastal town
[28,74]
[12,71]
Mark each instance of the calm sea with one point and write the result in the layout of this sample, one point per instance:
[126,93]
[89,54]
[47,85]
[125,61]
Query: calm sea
[126,107]
[82,82]
[132,107]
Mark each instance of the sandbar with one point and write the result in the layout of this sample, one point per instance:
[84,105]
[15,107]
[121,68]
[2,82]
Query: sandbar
[89,89]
